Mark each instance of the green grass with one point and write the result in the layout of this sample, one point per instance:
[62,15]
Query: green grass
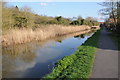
[116,39]
[77,65]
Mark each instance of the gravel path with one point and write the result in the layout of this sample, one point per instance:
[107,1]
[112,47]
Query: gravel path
[106,60]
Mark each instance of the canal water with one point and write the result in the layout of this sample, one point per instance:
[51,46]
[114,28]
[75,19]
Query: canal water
[36,59]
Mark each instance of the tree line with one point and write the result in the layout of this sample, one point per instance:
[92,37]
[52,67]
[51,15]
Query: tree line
[15,17]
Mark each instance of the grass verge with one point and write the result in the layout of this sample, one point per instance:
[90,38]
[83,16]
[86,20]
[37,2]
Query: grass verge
[116,39]
[77,65]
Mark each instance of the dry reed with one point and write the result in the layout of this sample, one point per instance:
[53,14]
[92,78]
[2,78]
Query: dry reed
[18,36]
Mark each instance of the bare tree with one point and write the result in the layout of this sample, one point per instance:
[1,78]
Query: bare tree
[118,12]
[110,9]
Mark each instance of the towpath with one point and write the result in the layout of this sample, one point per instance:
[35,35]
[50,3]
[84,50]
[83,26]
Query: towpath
[106,59]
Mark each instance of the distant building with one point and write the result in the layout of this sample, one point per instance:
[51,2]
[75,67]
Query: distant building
[101,22]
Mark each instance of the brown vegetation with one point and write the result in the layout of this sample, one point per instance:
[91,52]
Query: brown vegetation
[21,25]
[19,36]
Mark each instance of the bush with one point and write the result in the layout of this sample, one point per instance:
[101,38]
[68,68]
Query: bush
[75,23]
[15,17]
[20,22]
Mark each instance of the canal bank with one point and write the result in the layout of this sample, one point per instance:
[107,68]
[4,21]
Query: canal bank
[36,59]
[79,64]
[24,35]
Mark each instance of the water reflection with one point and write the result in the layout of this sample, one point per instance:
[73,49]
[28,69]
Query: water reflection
[35,59]
[83,35]
[18,58]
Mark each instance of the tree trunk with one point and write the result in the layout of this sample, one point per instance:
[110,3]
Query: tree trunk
[113,15]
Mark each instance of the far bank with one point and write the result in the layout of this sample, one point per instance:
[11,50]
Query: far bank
[19,36]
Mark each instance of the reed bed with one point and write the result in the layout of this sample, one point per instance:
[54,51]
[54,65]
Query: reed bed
[19,36]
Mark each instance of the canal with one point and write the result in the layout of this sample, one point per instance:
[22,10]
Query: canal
[37,58]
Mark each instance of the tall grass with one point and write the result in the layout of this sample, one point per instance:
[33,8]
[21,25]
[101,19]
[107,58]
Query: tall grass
[18,36]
